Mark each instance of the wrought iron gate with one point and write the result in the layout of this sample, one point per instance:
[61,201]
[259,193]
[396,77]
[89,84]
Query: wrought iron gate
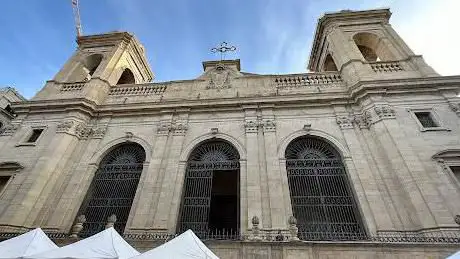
[320,193]
[207,159]
[113,188]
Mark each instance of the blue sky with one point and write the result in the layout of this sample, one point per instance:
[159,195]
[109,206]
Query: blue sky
[272,36]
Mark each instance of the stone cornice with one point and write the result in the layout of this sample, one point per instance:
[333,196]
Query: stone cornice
[340,96]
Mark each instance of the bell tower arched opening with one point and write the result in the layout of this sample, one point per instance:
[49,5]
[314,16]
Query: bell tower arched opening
[329,64]
[113,188]
[210,203]
[372,47]
[127,77]
[321,195]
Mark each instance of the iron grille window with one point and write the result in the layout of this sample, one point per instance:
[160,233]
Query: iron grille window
[113,188]
[35,135]
[322,201]
[426,119]
[210,204]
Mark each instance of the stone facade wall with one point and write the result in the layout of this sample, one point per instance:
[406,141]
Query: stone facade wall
[400,181]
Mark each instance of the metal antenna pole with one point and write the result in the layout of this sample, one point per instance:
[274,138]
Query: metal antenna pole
[76,14]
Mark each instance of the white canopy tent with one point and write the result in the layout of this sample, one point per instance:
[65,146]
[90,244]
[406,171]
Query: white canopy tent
[32,242]
[107,244]
[185,246]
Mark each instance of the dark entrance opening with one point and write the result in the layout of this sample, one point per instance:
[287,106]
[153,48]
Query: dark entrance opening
[210,204]
[224,202]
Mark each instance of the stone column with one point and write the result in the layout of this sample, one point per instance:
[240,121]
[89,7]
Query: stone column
[150,186]
[166,193]
[370,201]
[274,180]
[75,188]
[39,182]
[254,194]
[403,164]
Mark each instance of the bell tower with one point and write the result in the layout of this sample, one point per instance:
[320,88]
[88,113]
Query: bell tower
[100,62]
[362,45]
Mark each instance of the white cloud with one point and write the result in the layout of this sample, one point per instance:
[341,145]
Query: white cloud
[431,29]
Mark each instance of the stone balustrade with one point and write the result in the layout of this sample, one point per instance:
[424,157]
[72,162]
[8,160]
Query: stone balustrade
[66,87]
[306,80]
[386,66]
[132,90]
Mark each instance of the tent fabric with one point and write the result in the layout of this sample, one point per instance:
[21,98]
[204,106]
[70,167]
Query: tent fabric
[454,256]
[32,242]
[187,245]
[107,244]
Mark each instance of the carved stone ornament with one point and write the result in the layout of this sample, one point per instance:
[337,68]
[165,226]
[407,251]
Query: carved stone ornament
[384,112]
[179,127]
[220,78]
[307,127]
[9,130]
[455,107]
[129,135]
[267,125]
[293,230]
[214,131]
[345,122]
[65,126]
[255,229]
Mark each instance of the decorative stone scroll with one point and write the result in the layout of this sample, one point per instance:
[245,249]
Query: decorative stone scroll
[455,107]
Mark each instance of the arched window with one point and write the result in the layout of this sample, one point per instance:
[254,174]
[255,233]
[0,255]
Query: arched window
[210,203]
[127,77]
[113,188]
[322,201]
[371,47]
[329,64]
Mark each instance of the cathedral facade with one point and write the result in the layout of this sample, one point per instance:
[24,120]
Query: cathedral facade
[359,158]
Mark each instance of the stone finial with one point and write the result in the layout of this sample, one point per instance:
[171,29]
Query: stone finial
[293,230]
[255,229]
[457,219]
[255,221]
[78,226]
[111,221]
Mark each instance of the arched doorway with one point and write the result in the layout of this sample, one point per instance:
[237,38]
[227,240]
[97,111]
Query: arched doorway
[210,203]
[321,198]
[113,188]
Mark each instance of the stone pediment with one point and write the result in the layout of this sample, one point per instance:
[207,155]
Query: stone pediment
[220,74]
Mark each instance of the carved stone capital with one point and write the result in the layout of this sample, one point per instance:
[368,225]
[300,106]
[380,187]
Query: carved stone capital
[269,125]
[9,130]
[99,131]
[82,131]
[179,128]
[164,128]
[65,126]
[363,120]
[251,126]
[384,112]
[345,122]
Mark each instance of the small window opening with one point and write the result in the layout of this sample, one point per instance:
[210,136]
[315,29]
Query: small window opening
[9,110]
[35,135]
[456,171]
[127,77]
[372,47]
[92,62]
[368,53]
[426,119]
[3,181]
